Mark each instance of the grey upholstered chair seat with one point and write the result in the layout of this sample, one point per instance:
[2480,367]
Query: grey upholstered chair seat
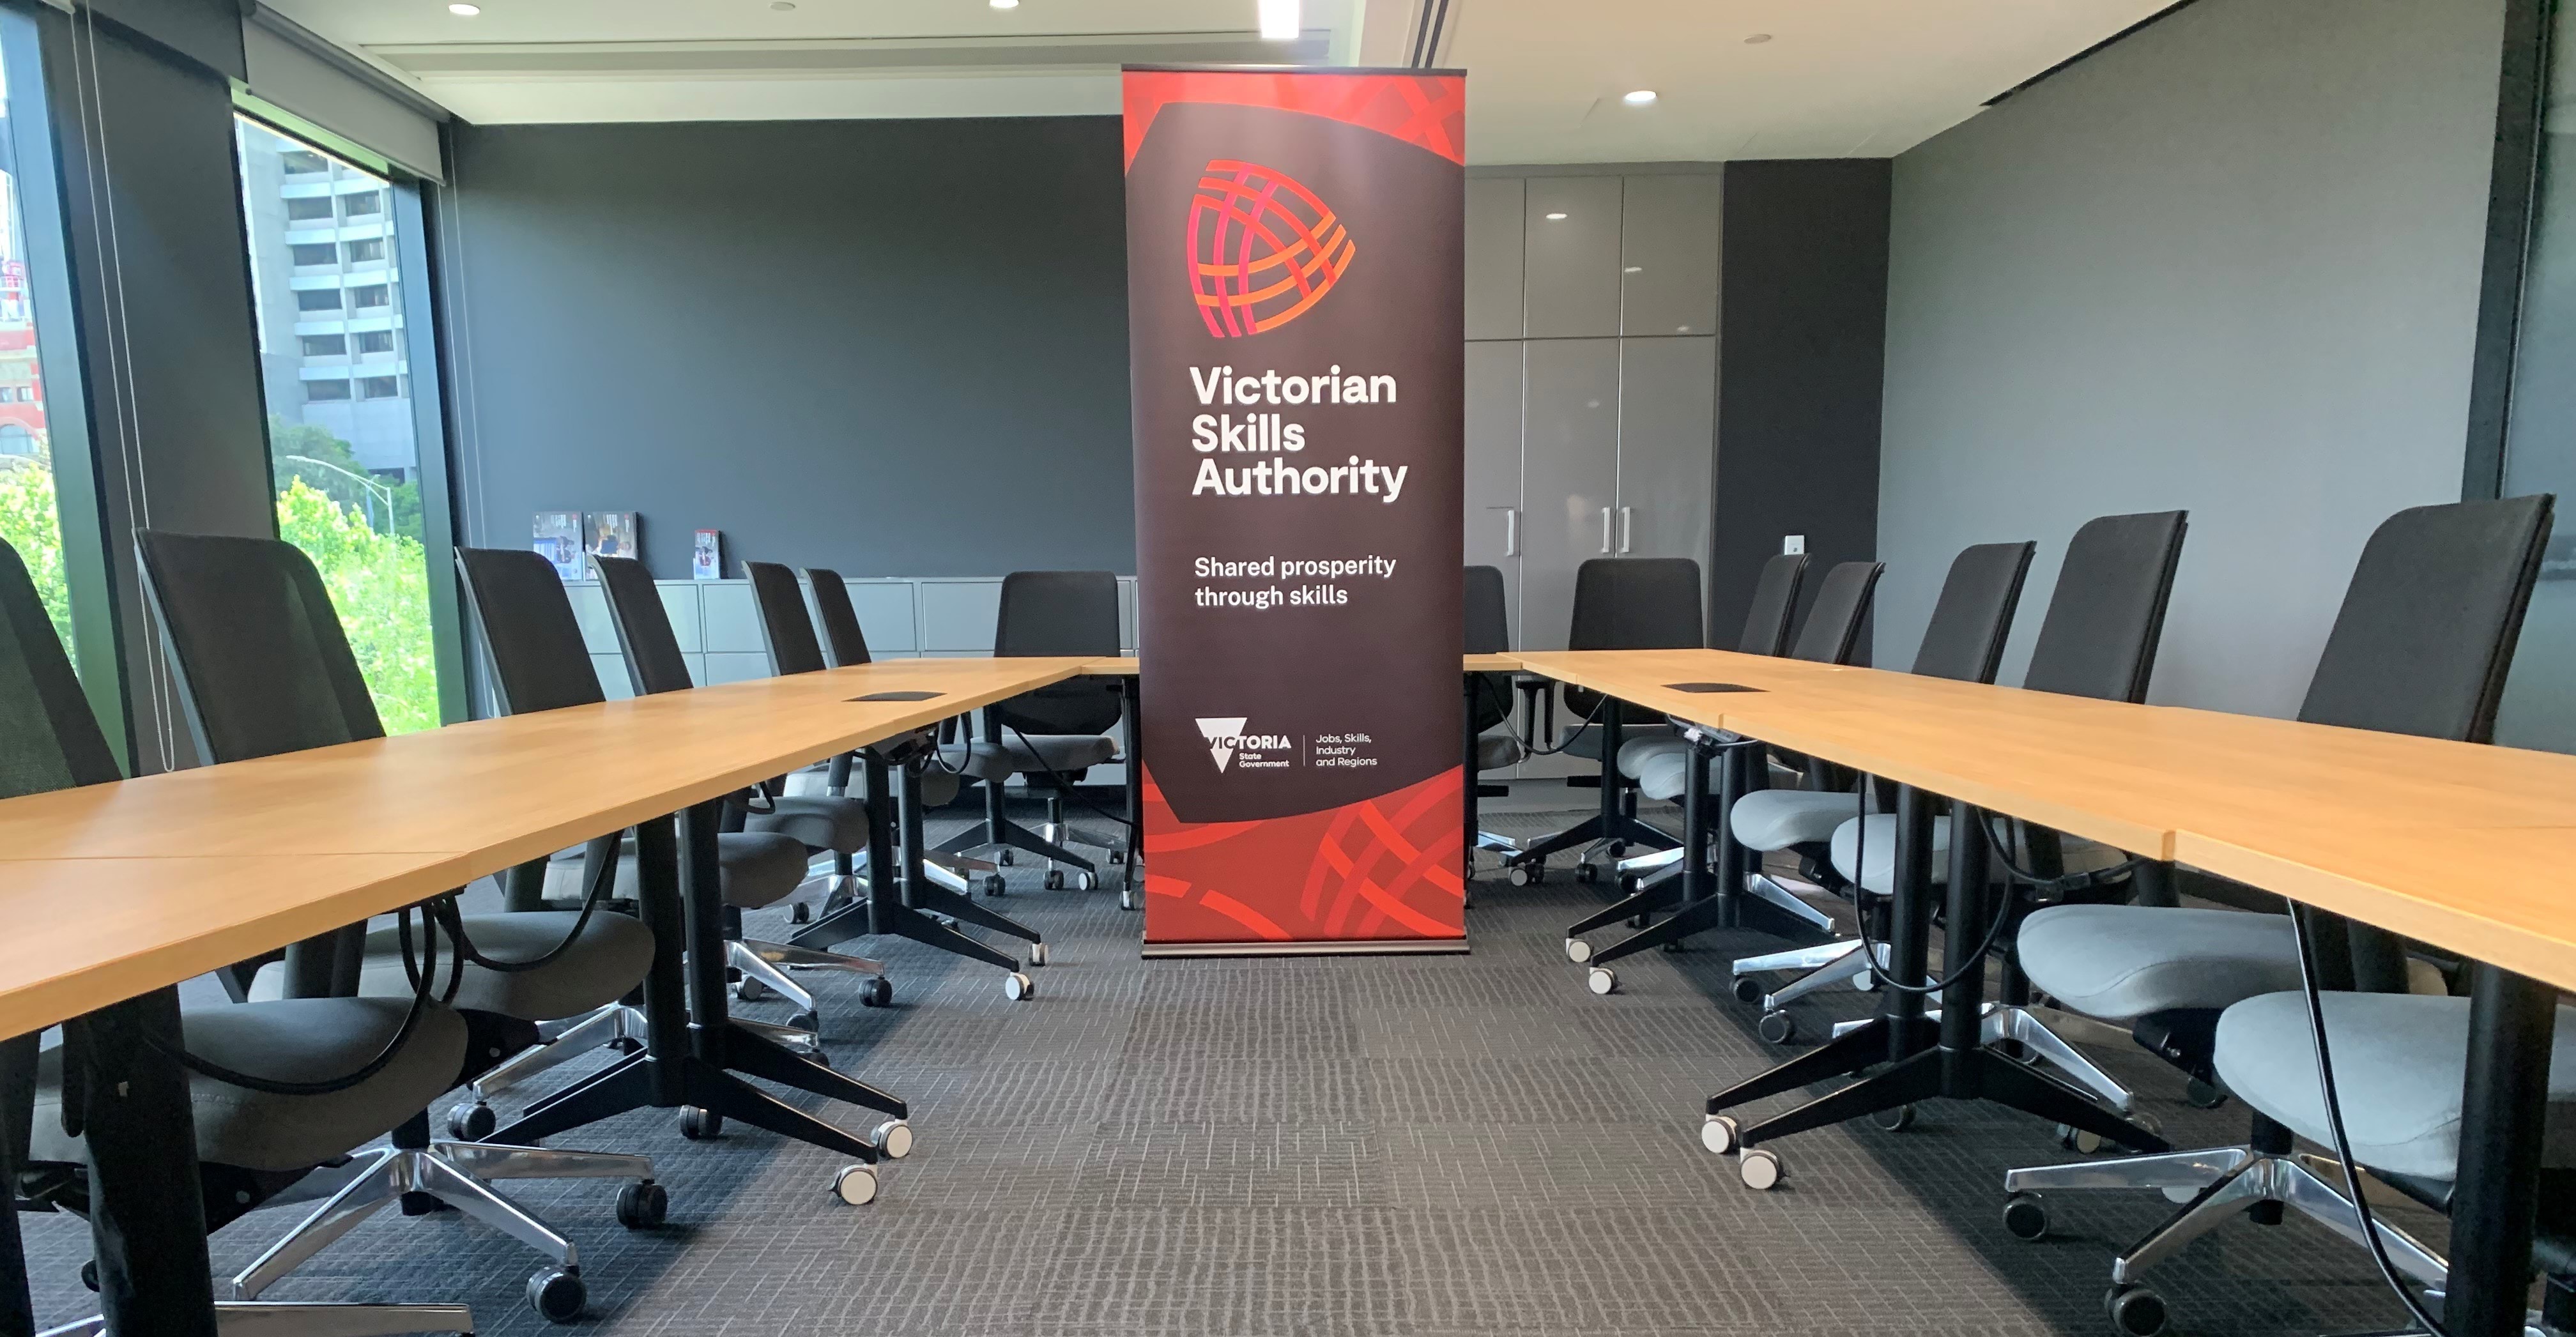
[1495,751]
[2121,962]
[2398,1062]
[1661,772]
[615,951]
[1014,753]
[1775,819]
[1639,750]
[2077,855]
[757,868]
[296,1040]
[815,821]
[1586,743]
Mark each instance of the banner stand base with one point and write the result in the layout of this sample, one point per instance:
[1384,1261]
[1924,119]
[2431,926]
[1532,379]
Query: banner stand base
[1361,947]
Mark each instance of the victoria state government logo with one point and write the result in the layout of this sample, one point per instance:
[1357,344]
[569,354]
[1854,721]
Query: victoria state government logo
[1226,740]
[1262,248]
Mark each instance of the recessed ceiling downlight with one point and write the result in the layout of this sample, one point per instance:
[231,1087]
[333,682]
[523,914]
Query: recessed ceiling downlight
[1641,97]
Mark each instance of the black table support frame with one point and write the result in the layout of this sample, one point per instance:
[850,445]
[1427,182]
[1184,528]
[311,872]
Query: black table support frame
[894,904]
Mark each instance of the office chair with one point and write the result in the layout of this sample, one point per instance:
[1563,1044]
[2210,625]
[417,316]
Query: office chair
[1678,769]
[1489,705]
[251,1145]
[263,668]
[655,665]
[1964,641]
[2105,620]
[2420,646]
[1620,603]
[539,662]
[1051,735]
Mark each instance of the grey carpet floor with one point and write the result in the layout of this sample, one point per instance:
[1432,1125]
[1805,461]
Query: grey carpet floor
[1431,1147]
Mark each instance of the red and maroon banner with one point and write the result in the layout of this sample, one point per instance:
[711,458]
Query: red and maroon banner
[1294,307]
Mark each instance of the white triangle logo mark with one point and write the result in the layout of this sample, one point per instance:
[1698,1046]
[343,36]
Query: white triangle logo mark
[1221,736]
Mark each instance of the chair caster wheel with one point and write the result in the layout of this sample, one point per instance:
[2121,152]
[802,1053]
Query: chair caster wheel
[855,1185]
[89,1274]
[643,1206]
[1017,987]
[2026,1217]
[1003,857]
[1748,989]
[1585,872]
[1717,1133]
[1037,953]
[800,913]
[1126,898]
[1117,857]
[1896,1120]
[1054,879]
[1639,921]
[1603,981]
[878,992]
[2080,1140]
[472,1122]
[2202,1095]
[1760,1169]
[557,1293]
[807,1021]
[1577,950]
[1628,884]
[993,884]
[1777,1028]
[1526,874]
[1084,881]
[2135,1311]
[750,990]
[1618,849]
[700,1125]
[893,1137]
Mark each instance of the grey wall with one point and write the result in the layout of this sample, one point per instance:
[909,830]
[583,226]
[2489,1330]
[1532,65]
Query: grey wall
[1801,331]
[2229,264]
[898,348]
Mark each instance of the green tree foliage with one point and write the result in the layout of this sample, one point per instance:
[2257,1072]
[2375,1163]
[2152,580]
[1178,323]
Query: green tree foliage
[303,452]
[380,585]
[30,524]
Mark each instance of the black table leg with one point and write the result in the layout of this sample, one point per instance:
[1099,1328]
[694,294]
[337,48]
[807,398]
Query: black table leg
[17,1115]
[1467,726]
[147,1220]
[1131,698]
[2505,1098]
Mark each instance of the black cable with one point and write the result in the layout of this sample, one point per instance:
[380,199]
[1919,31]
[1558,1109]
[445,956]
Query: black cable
[1431,54]
[453,920]
[1976,960]
[1421,24]
[1063,782]
[328,1086]
[2342,1141]
[2064,881]
[1589,720]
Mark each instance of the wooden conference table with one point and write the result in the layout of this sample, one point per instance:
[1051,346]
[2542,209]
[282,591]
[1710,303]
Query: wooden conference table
[116,893]
[2469,848]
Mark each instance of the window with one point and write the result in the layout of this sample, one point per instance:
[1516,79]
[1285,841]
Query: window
[347,473]
[318,254]
[2539,708]
[308,208]
[303,161]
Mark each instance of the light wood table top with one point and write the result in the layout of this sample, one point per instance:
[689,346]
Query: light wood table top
[1124,666]
[2470,848]
[113,890]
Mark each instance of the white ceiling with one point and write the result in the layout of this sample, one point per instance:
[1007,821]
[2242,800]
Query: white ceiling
[1836,78]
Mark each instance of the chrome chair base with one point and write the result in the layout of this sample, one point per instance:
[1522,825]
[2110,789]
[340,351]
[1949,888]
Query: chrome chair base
[271,1318]
[568,1040]
[459,1174]
[1764,887]
[770,962]
[1825,964]
[2027,1028]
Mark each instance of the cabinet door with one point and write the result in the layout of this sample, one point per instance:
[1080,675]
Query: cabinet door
[1494,462]
[1668,255]
[1494,205]
[1667,447]
[1569,477]
[1572,282]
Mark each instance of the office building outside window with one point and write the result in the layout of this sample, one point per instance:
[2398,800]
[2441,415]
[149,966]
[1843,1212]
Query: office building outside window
[30,512]
[343,440]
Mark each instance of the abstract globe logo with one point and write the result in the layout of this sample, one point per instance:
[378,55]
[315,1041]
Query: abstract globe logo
[1262,248]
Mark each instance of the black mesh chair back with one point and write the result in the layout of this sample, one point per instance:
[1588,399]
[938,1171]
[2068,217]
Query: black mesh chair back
[2428,625]
[1775,601]
[48,738]
[653,659]
[1489,632]
[847,644]
[1633,603]
[1060,613]
[785,626]
[2108,612]
[262,665]
[1834,620]
[1974,615]
[539,661]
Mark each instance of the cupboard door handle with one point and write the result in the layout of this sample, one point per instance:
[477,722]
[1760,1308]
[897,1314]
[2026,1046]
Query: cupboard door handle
[1511,532]
[1627,527]
[1605,531]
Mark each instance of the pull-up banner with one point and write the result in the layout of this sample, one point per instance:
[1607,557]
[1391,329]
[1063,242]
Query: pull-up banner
[1294,309]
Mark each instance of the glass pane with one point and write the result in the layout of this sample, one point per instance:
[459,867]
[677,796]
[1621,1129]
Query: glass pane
[346,455]
[2540,435]
[30,517]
